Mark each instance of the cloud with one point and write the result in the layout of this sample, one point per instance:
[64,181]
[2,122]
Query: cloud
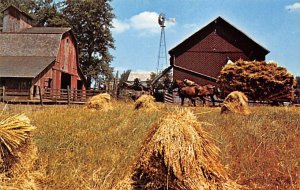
[293,7]
[120,26]
[144,22]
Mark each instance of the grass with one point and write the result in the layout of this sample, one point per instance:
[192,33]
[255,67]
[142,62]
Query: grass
[84,149]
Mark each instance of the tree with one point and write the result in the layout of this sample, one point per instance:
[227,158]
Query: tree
[257,79]
[123,78]
[91,20]
[47,14]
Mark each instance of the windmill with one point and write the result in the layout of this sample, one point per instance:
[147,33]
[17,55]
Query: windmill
[162,51]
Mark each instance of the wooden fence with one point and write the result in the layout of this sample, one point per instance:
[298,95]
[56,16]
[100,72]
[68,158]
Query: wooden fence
[69,95]
[9,94]
[63,96]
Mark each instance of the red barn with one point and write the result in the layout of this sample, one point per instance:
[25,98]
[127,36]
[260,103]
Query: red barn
[32,57]
[201,57]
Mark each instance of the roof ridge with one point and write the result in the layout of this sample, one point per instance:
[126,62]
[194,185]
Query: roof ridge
[242,32]
[219,18]
[19,9]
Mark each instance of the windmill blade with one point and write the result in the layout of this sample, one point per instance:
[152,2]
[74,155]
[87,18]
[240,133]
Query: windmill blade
[172,20]
[161,19]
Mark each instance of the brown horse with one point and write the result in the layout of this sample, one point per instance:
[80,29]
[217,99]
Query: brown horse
[192,92]
[185,91]
[207,90]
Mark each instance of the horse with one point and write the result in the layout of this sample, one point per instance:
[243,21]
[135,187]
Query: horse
[194,91]
[185,91]
[207,90]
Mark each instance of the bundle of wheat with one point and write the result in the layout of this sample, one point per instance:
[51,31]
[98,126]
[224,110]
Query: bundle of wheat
[178,154]
[100,102]
[236,102]
[18,153]
[145,102]
[14,131]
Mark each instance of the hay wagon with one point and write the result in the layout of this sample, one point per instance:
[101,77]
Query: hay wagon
[280,98]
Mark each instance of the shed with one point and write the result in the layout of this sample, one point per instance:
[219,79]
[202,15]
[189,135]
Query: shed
[201,56]
[143,77]
[32,57]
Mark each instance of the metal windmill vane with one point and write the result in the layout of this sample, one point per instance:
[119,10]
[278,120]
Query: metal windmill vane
[161,19]
[162,52]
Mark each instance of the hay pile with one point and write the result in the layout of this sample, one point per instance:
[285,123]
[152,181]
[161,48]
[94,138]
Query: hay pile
[100,102]
[259,80]
[189,82]
[236,102]
[145,102]
[178,154]
[17,154]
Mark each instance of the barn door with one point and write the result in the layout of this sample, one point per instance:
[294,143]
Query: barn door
[65,80]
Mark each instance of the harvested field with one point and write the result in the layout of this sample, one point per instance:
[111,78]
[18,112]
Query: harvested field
[79,149]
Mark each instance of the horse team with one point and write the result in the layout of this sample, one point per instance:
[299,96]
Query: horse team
[192,91]
[186,89]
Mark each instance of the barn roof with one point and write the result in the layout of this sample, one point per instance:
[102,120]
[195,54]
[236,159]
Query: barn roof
[23,66]
[227,31]
[29,52]
[46,30]
[143,76]
[16,44]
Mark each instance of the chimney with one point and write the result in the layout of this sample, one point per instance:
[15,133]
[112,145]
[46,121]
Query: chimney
[15,20]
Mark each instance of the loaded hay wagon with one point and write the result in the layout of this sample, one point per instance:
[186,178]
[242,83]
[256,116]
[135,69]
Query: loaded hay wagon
[262,82]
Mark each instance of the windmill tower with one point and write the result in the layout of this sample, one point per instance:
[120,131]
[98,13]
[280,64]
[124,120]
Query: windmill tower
[162,51]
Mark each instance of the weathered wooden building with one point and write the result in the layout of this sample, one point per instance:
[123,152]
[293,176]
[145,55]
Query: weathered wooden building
[201,56]
[32,57]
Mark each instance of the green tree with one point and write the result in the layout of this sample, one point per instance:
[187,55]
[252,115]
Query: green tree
[48,13]
[91,20]
[123,78]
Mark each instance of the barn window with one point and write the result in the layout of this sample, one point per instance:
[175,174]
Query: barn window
[49,83]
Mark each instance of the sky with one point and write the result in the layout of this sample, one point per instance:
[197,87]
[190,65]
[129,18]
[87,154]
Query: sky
[274,24]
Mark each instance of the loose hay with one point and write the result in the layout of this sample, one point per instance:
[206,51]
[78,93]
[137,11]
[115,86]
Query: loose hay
[100,102]
[18,154]
[236,102]
[145,102]
[259,80]
[178,154]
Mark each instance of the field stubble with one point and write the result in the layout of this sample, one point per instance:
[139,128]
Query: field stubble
[84,149]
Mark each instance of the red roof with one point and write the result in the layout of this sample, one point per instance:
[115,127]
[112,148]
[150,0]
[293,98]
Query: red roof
[228,32]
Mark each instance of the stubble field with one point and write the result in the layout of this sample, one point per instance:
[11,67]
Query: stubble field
[83,149]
